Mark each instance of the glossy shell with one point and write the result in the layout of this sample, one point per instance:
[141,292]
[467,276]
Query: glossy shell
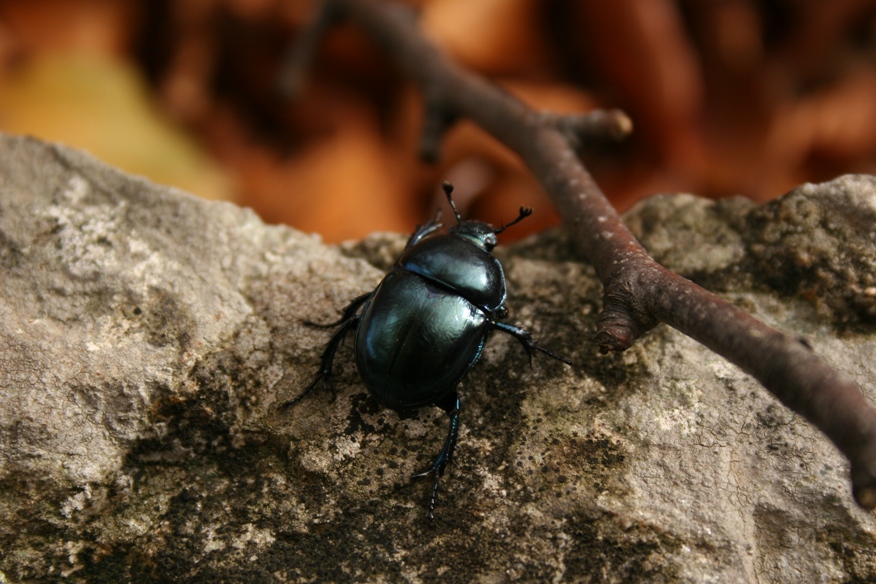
[415,341]
[459,266]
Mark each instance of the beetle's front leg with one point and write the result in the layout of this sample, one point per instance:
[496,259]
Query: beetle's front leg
[349,312]
[450,404]
[424,231]
[527,341]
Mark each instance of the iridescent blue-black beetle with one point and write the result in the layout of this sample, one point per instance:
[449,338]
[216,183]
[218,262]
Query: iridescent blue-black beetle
[425,326]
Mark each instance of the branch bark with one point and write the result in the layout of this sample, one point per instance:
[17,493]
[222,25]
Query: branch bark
[638,292]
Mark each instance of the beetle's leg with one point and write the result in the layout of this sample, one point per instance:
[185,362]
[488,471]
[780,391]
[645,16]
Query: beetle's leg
[424,230]
[527,341]
[450,404]
[325,370]
[349,312]
[349,320]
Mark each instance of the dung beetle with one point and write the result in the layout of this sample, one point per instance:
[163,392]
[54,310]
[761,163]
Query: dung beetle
[425,325]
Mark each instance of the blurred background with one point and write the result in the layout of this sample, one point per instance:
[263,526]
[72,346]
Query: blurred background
[728,97]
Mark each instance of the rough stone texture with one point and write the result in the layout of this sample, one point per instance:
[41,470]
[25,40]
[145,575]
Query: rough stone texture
[147,339]
[818,242]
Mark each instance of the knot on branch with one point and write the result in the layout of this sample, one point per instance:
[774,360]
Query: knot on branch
[624,317]
[862,456]
[584,130]
[864,484]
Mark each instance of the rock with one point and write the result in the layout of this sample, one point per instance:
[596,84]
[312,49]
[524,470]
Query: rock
[817,242]
[147,339]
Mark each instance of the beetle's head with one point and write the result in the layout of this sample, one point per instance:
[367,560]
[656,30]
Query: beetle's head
[479,233]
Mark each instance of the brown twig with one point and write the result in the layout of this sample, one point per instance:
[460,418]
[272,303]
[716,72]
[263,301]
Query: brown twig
[638,292]
[298,60]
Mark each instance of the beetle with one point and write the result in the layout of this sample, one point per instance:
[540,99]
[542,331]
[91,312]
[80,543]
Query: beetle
[419,333]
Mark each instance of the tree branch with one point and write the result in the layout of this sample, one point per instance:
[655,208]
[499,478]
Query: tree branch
[638,292]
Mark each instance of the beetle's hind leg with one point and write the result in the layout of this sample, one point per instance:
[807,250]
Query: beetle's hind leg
[349,320]
[450,404]
[527,341]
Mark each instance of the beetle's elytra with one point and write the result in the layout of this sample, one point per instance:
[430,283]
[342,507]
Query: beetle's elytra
[425,326]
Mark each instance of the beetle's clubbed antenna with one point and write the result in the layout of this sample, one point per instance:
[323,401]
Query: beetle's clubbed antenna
[524,213]
[448,190]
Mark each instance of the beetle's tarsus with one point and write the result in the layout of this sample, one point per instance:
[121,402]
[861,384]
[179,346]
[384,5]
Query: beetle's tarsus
[433,498]
[553,355]
[450,405]
[349,319]
[307,390]
[529,344]
[324,324]
[349,312]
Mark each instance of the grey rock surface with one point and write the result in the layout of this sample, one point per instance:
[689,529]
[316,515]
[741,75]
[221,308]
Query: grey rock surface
[147,339]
